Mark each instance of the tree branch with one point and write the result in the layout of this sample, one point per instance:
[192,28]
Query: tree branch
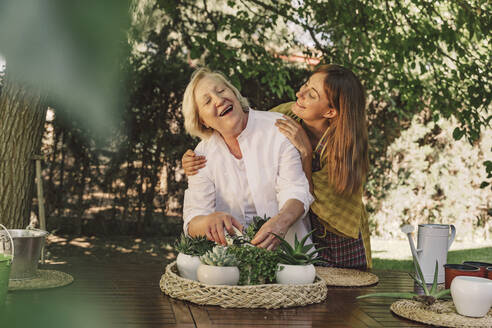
[212,19]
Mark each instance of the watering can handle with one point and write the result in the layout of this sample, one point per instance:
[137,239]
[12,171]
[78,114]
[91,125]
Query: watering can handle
[11,239]
[453,234]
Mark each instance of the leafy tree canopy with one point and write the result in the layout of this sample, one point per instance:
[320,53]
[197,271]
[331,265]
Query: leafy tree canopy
[411,54]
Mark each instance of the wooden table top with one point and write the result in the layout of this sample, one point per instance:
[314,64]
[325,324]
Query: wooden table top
[129,296]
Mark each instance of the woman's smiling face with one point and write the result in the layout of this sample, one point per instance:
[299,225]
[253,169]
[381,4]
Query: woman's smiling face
[312,102]
[218,107]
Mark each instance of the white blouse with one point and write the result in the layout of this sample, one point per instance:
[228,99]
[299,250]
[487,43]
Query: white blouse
[249,205]
[272,174]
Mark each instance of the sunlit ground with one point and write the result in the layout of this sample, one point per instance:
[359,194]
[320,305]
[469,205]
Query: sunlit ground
[62,249]
[396,255]
[67,249]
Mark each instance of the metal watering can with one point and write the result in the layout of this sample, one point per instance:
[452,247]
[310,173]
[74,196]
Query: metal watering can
[433,243]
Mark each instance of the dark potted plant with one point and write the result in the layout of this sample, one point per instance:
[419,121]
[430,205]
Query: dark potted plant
[256,265]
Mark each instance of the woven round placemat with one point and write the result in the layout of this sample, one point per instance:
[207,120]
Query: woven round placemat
[44,279]
[268,296]
[346,277]
[441,313]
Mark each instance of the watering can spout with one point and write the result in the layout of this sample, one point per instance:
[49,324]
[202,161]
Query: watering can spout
[408,229]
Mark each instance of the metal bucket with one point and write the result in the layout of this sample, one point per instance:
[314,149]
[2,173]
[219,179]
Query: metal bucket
[28,244]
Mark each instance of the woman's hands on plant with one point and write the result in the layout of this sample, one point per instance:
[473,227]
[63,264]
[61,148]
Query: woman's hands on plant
[296,134]
[290,212]
[265,237]
[192,163]
[213,226]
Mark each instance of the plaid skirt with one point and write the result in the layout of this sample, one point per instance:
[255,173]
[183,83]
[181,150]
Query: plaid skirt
[342,252]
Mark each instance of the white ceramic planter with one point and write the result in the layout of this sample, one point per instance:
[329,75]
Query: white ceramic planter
[216,275]
[472,296]
[187,265]
[295,274]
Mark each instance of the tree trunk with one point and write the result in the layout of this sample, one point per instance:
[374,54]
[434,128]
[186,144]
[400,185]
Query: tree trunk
[22,117]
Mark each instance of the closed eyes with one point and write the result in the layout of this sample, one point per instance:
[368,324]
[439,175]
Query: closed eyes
[311,93]
[208,99]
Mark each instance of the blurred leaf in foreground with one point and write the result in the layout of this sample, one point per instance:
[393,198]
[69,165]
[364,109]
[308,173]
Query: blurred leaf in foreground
[70,50]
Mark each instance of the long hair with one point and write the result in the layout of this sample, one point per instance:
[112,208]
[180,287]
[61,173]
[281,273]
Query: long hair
[346,149]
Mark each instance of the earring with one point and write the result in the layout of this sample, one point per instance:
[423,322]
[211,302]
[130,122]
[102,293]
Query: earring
[331,113]
[205,125]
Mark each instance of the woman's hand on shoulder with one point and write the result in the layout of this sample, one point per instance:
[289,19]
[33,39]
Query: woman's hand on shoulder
[213,226]
[192,163]
[296,134]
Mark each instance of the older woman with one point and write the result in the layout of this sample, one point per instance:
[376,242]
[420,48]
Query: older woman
[252,168]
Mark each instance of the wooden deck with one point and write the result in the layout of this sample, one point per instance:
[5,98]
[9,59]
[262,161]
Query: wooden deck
[129,296]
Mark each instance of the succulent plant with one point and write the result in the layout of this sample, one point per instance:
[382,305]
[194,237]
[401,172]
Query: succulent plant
[429,297]
[195,246]
[219,256]
[300,254]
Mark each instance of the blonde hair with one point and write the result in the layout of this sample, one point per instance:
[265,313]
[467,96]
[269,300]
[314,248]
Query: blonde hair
[190,109]
[346,149]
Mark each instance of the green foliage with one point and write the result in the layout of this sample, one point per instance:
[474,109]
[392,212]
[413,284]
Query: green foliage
[257,265]
[431,54]
[219,256]
[430,296]
[237,39]
[123,179]
[432,58]
[195,246]
[488,169]
[426,176]
[300,254]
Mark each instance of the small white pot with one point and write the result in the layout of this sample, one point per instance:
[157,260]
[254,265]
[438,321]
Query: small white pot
[472,296]
[295,274]
[187,265]
[216,275]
